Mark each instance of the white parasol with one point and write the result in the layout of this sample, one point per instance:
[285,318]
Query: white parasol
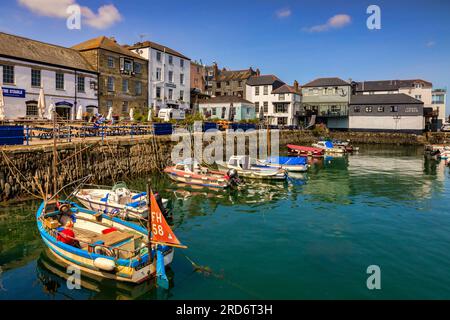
[41,104]
[2,105]
[80,113]
[131,114]
[51,109]
[109,116]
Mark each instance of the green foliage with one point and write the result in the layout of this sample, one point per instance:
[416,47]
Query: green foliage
[320,130]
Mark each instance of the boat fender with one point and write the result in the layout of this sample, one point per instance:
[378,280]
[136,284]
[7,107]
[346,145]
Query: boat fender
[105,264]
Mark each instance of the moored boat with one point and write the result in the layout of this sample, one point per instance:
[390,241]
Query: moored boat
[328,147]
[295,150]
[98,244]
[247,168]
[290,164]
[117,201]
[345,145]
[190,172]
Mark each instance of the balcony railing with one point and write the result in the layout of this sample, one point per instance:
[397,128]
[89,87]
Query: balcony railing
[325,113]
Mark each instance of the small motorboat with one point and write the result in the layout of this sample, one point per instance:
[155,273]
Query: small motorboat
[303,151]
[190,172]
[247,168]
[328,147]
[102,245]
[290,164]
[117,201]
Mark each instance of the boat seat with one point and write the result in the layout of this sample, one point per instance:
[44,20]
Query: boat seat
[86,236]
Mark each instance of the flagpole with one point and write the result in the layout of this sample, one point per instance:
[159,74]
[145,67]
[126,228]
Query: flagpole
[149,228]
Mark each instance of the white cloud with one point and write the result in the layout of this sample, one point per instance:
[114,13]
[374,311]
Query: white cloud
[106,16]
[431,44]
[283,13]
[335,22]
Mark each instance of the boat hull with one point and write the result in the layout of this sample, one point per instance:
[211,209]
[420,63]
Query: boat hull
[126,270]
[252,174]
[209,181]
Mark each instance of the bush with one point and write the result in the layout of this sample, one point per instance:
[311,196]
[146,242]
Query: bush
[320,130]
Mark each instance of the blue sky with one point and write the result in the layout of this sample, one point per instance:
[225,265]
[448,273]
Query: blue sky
[414,41]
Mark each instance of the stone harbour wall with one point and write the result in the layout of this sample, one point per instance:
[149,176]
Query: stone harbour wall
[27,167]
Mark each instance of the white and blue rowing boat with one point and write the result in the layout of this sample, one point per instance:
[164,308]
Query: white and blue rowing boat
[290,164]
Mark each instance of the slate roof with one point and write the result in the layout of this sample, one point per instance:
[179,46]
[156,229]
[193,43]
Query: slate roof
[106,43]
[286,89]
[327,82]
[394,98]
[389,85]
[263,80]
[32,50]
[225,99]
[229,75]
[157,46]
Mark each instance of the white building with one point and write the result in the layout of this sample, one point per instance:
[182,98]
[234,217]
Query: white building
[26,66]
[417,88]
[386,113]
[169,76]
[229,108]
[278,100]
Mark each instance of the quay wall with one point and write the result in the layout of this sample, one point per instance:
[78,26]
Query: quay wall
[26,167]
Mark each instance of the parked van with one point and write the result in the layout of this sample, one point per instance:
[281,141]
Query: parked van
[169,114]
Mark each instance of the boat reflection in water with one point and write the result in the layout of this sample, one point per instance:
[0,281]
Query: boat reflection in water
[52,275]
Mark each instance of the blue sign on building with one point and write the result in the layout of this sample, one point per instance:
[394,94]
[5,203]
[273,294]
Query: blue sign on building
[13,92]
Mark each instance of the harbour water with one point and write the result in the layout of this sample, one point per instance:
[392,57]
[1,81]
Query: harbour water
[309,238]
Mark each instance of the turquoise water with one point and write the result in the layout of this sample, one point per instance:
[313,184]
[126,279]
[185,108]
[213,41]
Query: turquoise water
[310,238]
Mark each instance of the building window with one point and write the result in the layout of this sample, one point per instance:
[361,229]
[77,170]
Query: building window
[266,90]
[240,84]
[158,56]
[418,96]
[32,109]
[127,65]
[394,108]
[281,97]
[109,104]
[411,109]
[214,111]
[181,95]
[316,92]
[380,109]
[227,83]
[170,94]
[80,84]
[266,106]
[368,109]
[35,78]
[181,63]
[138,88]
[137,67]
[110,84]
[357,109]
[181,78]
[8,74]
[170,59]
[125,86]
[171,76]
[111,62]
[281,108]
[219,85]
[158,73]
[256,91]
[59,81]
[125,107]
[158,92]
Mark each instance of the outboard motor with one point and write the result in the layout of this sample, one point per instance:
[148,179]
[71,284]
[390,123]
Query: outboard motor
[234,177]
[165,212]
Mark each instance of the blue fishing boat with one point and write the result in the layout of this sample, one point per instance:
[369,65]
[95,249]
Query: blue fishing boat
[291,164]
[100,244]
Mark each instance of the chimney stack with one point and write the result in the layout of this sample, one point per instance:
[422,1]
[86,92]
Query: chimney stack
[258,72]
[113,39]
[296,85]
